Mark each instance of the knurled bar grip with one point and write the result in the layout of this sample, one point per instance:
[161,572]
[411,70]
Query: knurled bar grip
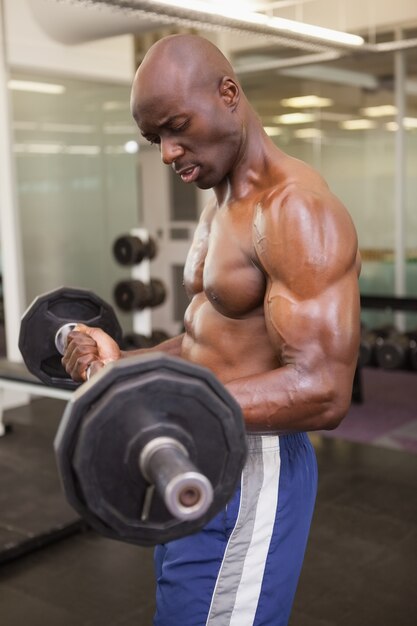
[165,463]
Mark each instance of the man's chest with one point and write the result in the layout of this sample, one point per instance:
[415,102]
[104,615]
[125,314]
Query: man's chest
[221,263]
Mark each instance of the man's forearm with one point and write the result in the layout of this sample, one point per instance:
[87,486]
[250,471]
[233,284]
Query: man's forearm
[171,346]
[289,399]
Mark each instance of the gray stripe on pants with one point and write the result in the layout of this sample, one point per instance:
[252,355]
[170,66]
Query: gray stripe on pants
[231,569]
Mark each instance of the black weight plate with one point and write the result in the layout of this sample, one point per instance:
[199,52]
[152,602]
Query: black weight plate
[98,437]
[151,248]
[132,295]
[413,354]
[158,336]
[129,250]
[391,355]
[46,315]
[118,417]
[158,292]
[134,341]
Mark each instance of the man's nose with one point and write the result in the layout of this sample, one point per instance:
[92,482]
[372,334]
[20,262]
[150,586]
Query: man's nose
[170,151]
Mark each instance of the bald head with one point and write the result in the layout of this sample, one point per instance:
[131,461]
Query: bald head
[177,63]
[195,58]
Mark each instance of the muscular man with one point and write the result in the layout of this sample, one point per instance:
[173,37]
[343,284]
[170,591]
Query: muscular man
[272,276]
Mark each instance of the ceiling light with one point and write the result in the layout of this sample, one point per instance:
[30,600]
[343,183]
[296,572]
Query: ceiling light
[294,118]
[410,122]
[359,124]
[55,148]
[304,102]
[277,23]
[273,131]
[383,110]
[237,5]
[115,105]
[38,148]
[308,133]
[28,85]
[131,147]
[85,150]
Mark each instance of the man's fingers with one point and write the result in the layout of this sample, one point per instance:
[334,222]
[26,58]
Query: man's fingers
[79,345]
[97,334]
[93,368]
[88,349]
[108,350]
[77,364]
[81,338]
[81,328]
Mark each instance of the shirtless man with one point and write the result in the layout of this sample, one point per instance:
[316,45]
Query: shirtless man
[272,276]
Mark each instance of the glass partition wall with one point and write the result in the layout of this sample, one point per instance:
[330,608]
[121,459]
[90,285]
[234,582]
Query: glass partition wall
[411,172]
[75,150]
[78,178]
[342,118]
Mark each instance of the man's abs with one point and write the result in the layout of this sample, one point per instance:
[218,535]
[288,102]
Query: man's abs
[231,348]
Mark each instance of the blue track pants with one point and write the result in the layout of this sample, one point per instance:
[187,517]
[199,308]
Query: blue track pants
[242,569]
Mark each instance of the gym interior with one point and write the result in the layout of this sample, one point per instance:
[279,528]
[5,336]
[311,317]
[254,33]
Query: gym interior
[343,100]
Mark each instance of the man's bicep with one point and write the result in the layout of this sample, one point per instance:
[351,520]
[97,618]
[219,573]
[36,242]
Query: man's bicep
[317,331]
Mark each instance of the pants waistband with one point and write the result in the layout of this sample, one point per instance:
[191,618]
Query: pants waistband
[257,442]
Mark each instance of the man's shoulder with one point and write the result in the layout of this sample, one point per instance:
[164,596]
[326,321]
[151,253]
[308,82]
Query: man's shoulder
[300,190]
[300,222]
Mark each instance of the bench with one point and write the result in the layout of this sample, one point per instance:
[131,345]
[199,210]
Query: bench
[16,377]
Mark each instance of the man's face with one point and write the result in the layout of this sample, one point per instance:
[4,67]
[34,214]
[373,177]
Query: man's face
[195,130]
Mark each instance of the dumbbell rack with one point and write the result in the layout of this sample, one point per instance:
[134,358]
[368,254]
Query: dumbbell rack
[381,302]
[142,320]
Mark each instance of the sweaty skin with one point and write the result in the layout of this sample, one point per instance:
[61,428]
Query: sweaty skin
[272,273]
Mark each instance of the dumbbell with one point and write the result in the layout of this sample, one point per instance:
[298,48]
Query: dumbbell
[397,351]
[135,295]
[370,339]
[413,350]
[150,449]
[134,341]
[131,250]
[158,336]
[357,388]
[48,320]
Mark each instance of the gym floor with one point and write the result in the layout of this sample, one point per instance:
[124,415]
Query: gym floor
[360,566]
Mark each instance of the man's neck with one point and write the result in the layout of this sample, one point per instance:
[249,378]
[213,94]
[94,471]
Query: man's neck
[253,164]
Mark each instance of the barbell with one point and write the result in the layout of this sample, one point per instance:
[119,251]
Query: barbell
[151,448]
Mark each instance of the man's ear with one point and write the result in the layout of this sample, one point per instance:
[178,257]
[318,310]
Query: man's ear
[229,92]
